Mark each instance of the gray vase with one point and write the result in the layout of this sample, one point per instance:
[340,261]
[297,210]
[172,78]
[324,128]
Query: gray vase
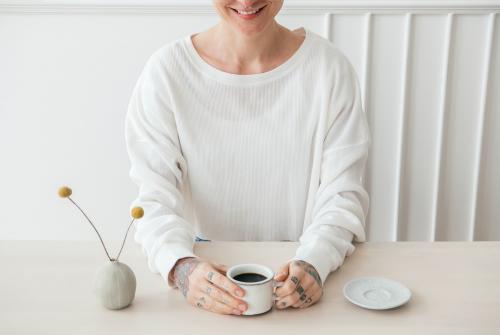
[114,285]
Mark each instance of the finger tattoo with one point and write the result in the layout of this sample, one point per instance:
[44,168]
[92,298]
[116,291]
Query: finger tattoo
[210,275]
[299,289]
[303,297]
[308,300]
[209,289]
[295,280]
[200,302]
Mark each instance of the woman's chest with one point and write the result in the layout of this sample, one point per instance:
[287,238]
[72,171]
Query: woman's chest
[278,121]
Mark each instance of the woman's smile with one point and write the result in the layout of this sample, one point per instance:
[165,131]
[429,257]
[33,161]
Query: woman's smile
[248,14]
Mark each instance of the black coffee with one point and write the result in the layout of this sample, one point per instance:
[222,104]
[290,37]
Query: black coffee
[249,277]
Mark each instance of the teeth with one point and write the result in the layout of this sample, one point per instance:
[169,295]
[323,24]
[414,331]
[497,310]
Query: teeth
[248,13]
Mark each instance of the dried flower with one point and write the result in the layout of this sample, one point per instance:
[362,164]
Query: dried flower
[137,212]
[64,191]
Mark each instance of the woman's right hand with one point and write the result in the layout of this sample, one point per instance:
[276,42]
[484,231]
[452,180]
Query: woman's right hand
[204,284]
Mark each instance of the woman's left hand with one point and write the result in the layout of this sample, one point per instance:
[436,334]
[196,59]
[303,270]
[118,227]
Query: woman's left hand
[302,286]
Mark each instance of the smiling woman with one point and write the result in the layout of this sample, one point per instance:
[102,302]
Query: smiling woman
[259,131]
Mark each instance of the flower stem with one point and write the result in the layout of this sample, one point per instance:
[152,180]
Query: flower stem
[92,227]
[124,239]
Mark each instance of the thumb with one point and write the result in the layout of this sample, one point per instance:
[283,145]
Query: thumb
[220,267]
[282,272]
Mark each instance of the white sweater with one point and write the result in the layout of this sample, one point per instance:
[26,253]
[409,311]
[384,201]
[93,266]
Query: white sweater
[272,156]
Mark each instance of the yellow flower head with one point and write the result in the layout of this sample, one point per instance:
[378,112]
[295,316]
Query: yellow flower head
[137,212]
[64,191]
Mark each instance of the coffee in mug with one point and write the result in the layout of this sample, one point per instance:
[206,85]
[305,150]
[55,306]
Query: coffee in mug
[258,282]
[249,277]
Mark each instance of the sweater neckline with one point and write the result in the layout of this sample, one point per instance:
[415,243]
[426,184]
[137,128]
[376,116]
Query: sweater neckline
[242,79]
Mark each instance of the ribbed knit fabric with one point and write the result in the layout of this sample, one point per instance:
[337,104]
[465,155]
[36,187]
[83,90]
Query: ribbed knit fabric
[272,156]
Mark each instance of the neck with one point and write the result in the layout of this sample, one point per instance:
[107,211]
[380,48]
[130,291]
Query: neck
[242,49]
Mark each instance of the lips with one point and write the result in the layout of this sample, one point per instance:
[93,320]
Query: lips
[258,11]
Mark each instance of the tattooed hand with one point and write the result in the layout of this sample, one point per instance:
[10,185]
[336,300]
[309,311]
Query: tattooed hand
[302,287]
[204,284]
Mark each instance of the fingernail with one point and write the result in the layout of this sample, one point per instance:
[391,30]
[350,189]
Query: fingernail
[242,307]
[239,293]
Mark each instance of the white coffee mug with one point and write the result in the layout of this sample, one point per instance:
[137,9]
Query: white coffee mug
[258,295]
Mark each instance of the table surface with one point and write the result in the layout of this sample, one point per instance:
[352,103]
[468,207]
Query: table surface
[46,288]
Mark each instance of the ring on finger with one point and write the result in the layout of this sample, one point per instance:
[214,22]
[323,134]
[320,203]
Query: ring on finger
[210,275]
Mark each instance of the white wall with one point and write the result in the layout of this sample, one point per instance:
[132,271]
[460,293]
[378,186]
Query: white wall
[430,73]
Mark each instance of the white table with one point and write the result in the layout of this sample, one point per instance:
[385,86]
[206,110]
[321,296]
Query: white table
[46,288]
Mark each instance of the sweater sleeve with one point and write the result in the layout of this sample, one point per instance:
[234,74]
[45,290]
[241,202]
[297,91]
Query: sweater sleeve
[341,202]
[158,169]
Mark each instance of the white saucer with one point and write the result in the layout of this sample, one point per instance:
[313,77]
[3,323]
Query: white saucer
[376,293]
